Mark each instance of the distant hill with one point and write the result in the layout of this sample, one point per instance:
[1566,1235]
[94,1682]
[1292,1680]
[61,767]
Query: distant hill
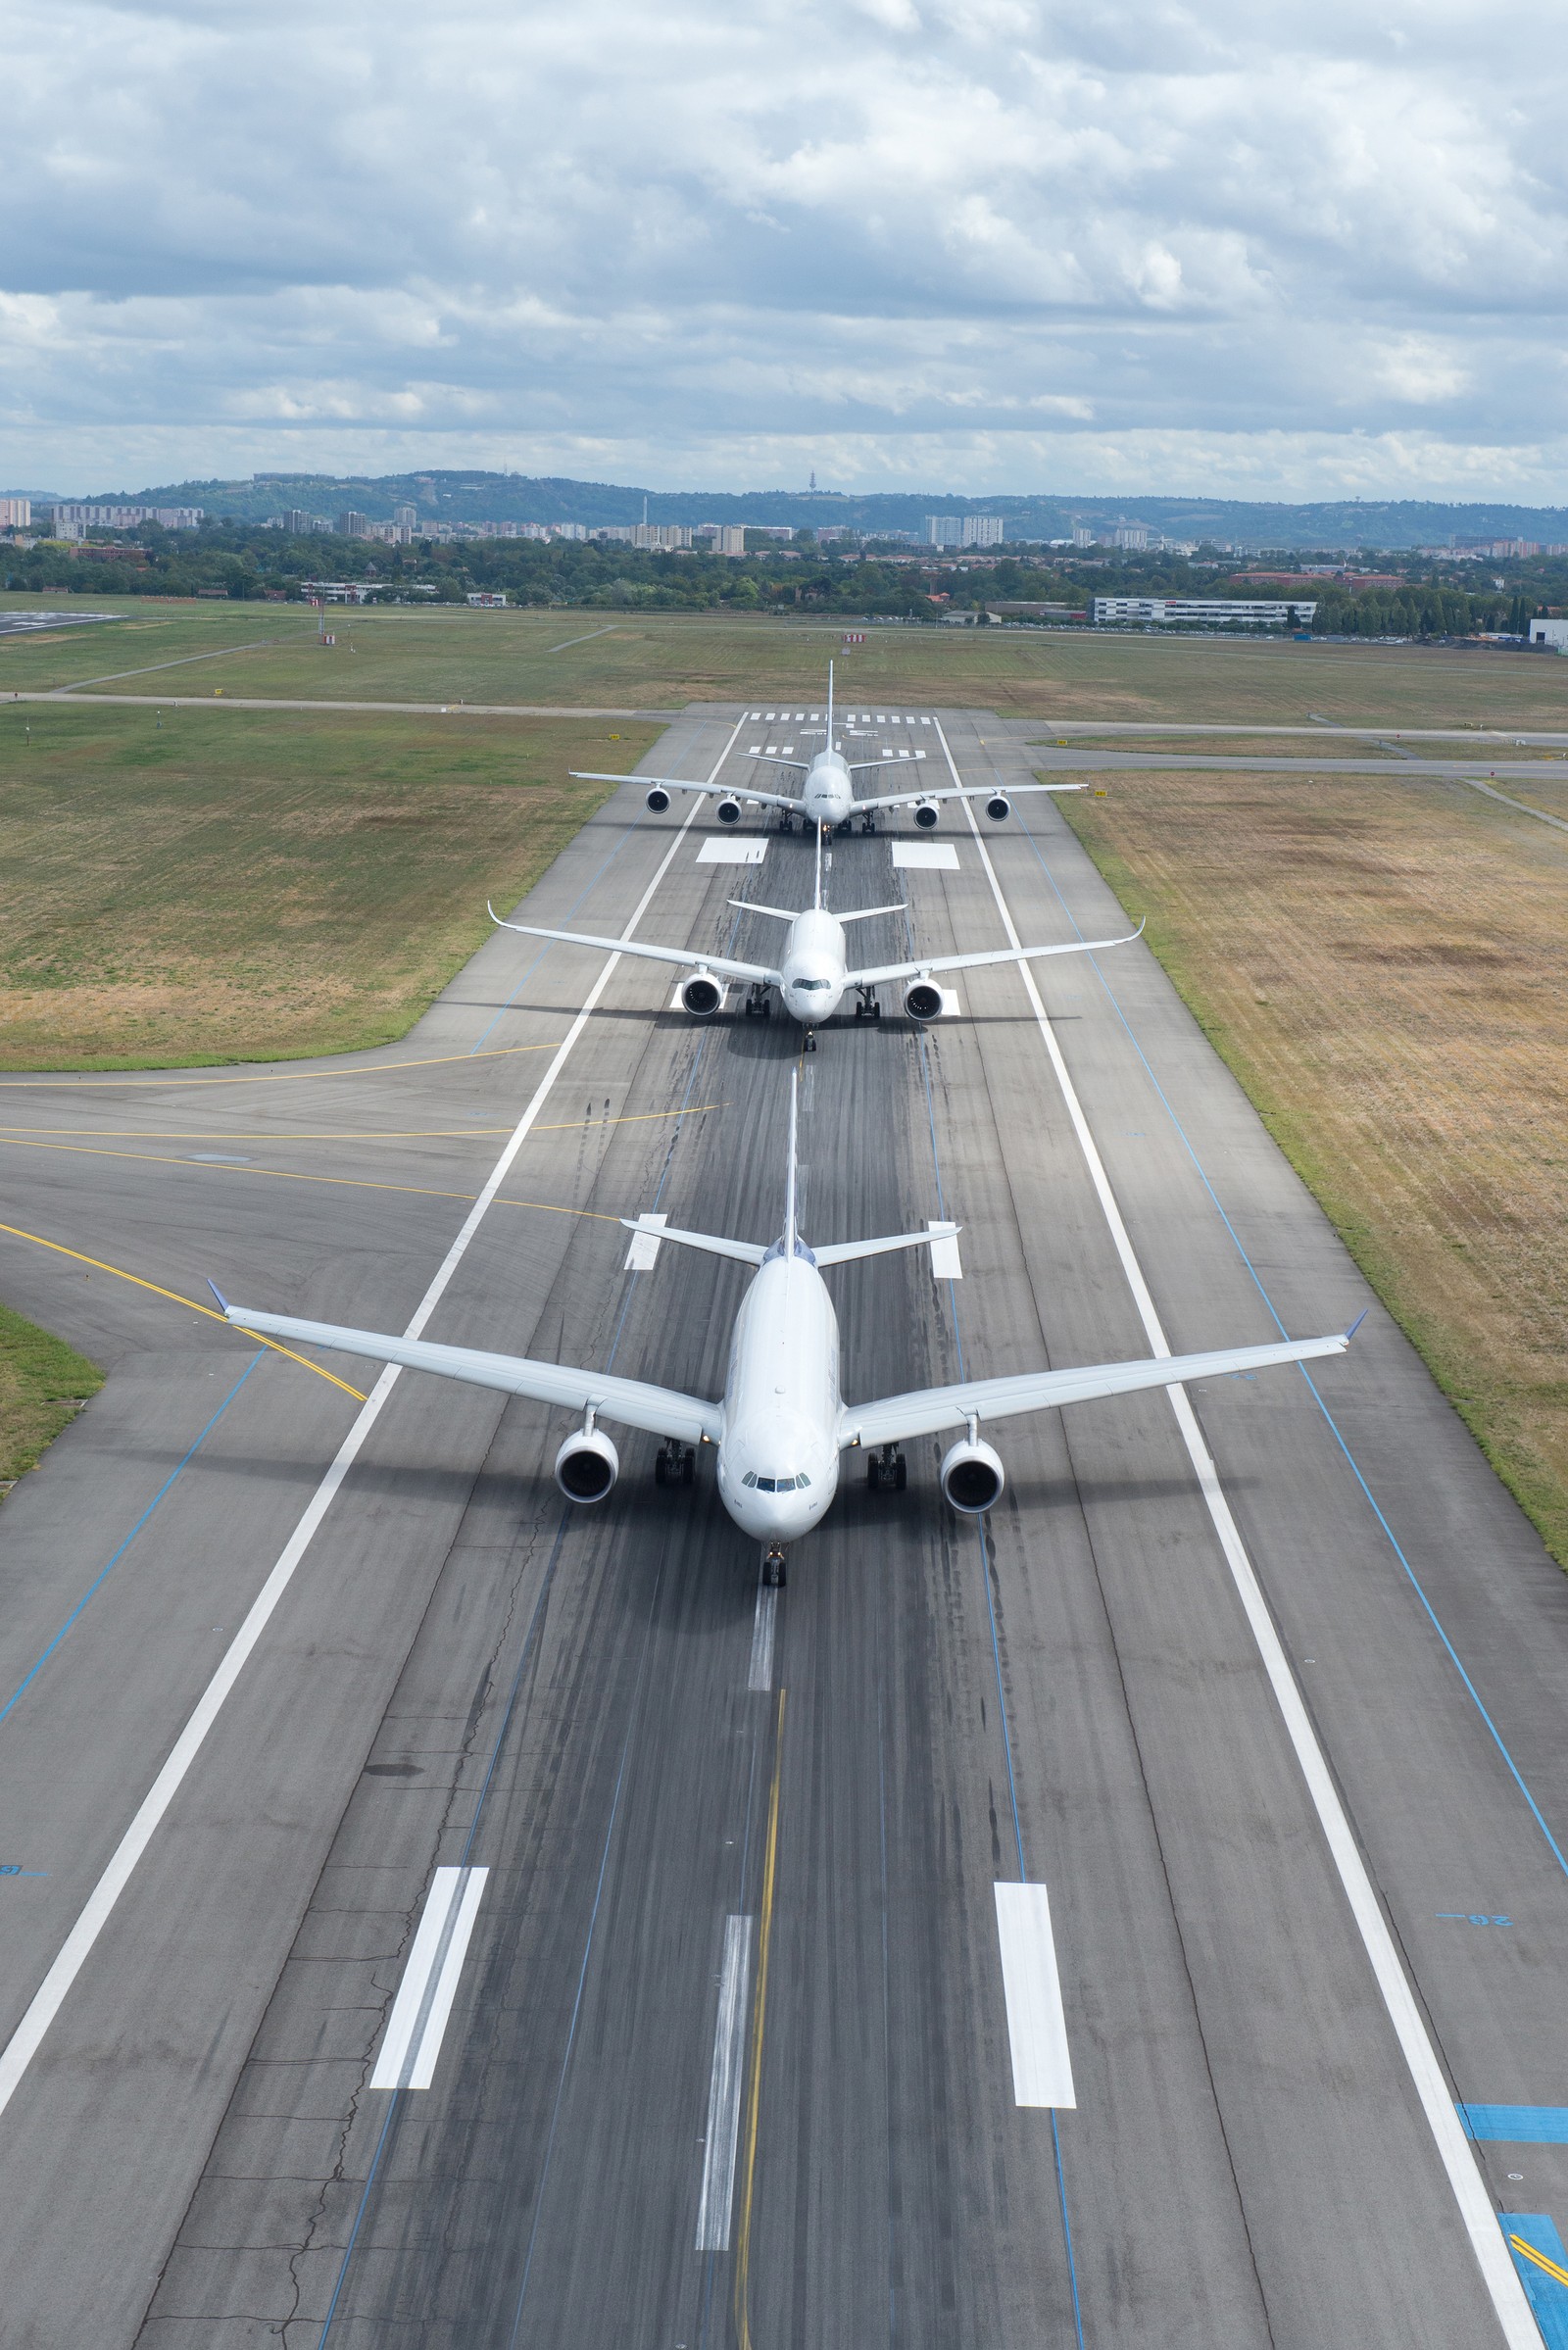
[476,497]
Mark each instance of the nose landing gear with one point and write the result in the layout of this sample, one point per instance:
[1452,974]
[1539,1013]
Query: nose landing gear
[809,1043]
[773,1571]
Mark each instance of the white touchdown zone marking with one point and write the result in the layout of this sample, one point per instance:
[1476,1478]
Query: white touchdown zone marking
[1037,2028]
[643,1255]
[419,2012]
[718,2190]
[719,852]
[48,1999]
[1495,2262]
[926,857]
[944,1265]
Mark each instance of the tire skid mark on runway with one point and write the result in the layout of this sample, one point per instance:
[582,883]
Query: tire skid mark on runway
[1335,1430]
[24,2041]
[115,1555]
[1499,2274]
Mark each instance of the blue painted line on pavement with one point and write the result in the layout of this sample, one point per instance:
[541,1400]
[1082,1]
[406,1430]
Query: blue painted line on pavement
[94,1587]
[1547,2295]
[1516,2125]
[1333,1426]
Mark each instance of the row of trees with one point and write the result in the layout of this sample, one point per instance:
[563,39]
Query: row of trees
[242,561]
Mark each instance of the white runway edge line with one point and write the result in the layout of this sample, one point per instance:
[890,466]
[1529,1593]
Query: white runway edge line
[1519,2329]
[1037,2028]
[72,1956]
[429,1982]
[718,2190]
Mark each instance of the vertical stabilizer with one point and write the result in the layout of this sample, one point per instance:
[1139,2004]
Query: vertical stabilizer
[831,744]
[789,1187]
[817,894]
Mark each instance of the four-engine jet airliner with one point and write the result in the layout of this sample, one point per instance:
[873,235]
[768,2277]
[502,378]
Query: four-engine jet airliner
[827,797]
[814,976]
[781,1426]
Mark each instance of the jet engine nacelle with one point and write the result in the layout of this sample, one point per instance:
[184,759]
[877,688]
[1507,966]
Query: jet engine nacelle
[587,1465]
[925,815]
[729,811]
[922,1000]
[702,995]
[972,1477]
[998,808]
[657,800]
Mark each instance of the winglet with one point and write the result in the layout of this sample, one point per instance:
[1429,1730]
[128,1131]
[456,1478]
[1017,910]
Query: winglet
[217,1294]
[1356,1324]
[494,916]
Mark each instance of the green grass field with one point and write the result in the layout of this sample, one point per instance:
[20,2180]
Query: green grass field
[662,661]
[43,1385]
[247,885]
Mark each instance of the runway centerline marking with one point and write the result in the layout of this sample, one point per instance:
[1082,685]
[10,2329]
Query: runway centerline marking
[759,1674]
[1498,2272]
[104,1898]
[726,2081]
[418,2019]
[754,2098]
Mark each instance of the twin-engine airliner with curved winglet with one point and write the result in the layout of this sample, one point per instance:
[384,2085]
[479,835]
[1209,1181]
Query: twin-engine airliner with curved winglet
[827,796]
[812,975]
[781,1427]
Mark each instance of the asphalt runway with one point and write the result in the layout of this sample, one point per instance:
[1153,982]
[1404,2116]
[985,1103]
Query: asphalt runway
[1277,1973]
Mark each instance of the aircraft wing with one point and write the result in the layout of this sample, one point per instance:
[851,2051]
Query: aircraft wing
[662,1411]
[894,1418]
[715,791]
[988,954]
[955,791]
[686,957]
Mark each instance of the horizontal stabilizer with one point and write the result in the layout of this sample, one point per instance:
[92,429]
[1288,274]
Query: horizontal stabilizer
[897,1418]
[662,1411]
[844,1253]
[713,1243]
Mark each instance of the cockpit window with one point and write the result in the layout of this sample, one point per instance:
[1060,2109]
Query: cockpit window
[809,987]
[776,1485]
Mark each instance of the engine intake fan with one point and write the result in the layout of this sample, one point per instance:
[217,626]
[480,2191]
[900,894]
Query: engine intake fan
[922,1000]
[587,1465]
[702,995]
[972,1477]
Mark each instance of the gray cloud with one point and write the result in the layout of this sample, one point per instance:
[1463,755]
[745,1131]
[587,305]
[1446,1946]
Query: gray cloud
[1006,243]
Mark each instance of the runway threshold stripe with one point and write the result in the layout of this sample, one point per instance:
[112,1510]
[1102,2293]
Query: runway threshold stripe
[1498,2272]
[718,2192]
[1516,2125]
[419,2012]
[1037,2028]
[760,1674]
[50,1997]
[1542,2265]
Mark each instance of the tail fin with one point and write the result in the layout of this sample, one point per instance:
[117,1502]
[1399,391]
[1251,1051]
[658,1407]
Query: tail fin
[817,894]
[789,1187]
[831,744]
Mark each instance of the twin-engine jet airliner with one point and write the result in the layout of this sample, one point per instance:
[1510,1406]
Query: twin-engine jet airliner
[814,976]
[781,1427]
[827,797]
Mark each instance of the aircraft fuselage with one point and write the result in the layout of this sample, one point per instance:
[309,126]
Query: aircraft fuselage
[778,1457]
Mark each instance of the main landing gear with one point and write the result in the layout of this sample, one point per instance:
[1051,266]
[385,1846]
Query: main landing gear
[868,1008]
[773,1568]
[846,828]
[786,822]
[868,822]
[675,1463]
[759,1000]
[886,1470]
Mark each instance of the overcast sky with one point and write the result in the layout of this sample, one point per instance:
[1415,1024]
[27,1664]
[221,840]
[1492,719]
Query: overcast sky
[1241,247]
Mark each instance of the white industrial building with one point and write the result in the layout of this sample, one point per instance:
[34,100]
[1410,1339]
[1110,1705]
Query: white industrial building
[1202,611]
[1549,632]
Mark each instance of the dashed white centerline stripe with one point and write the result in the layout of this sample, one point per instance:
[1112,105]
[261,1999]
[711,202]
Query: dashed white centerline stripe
[1037,2028]
[72,1956]
[1497,2271]
[718,2191]
[761,1675]
[429,1985]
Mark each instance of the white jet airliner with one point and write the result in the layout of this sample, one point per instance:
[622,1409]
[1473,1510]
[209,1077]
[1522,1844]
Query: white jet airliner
[827,796]
[781,1427]
[814,976]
